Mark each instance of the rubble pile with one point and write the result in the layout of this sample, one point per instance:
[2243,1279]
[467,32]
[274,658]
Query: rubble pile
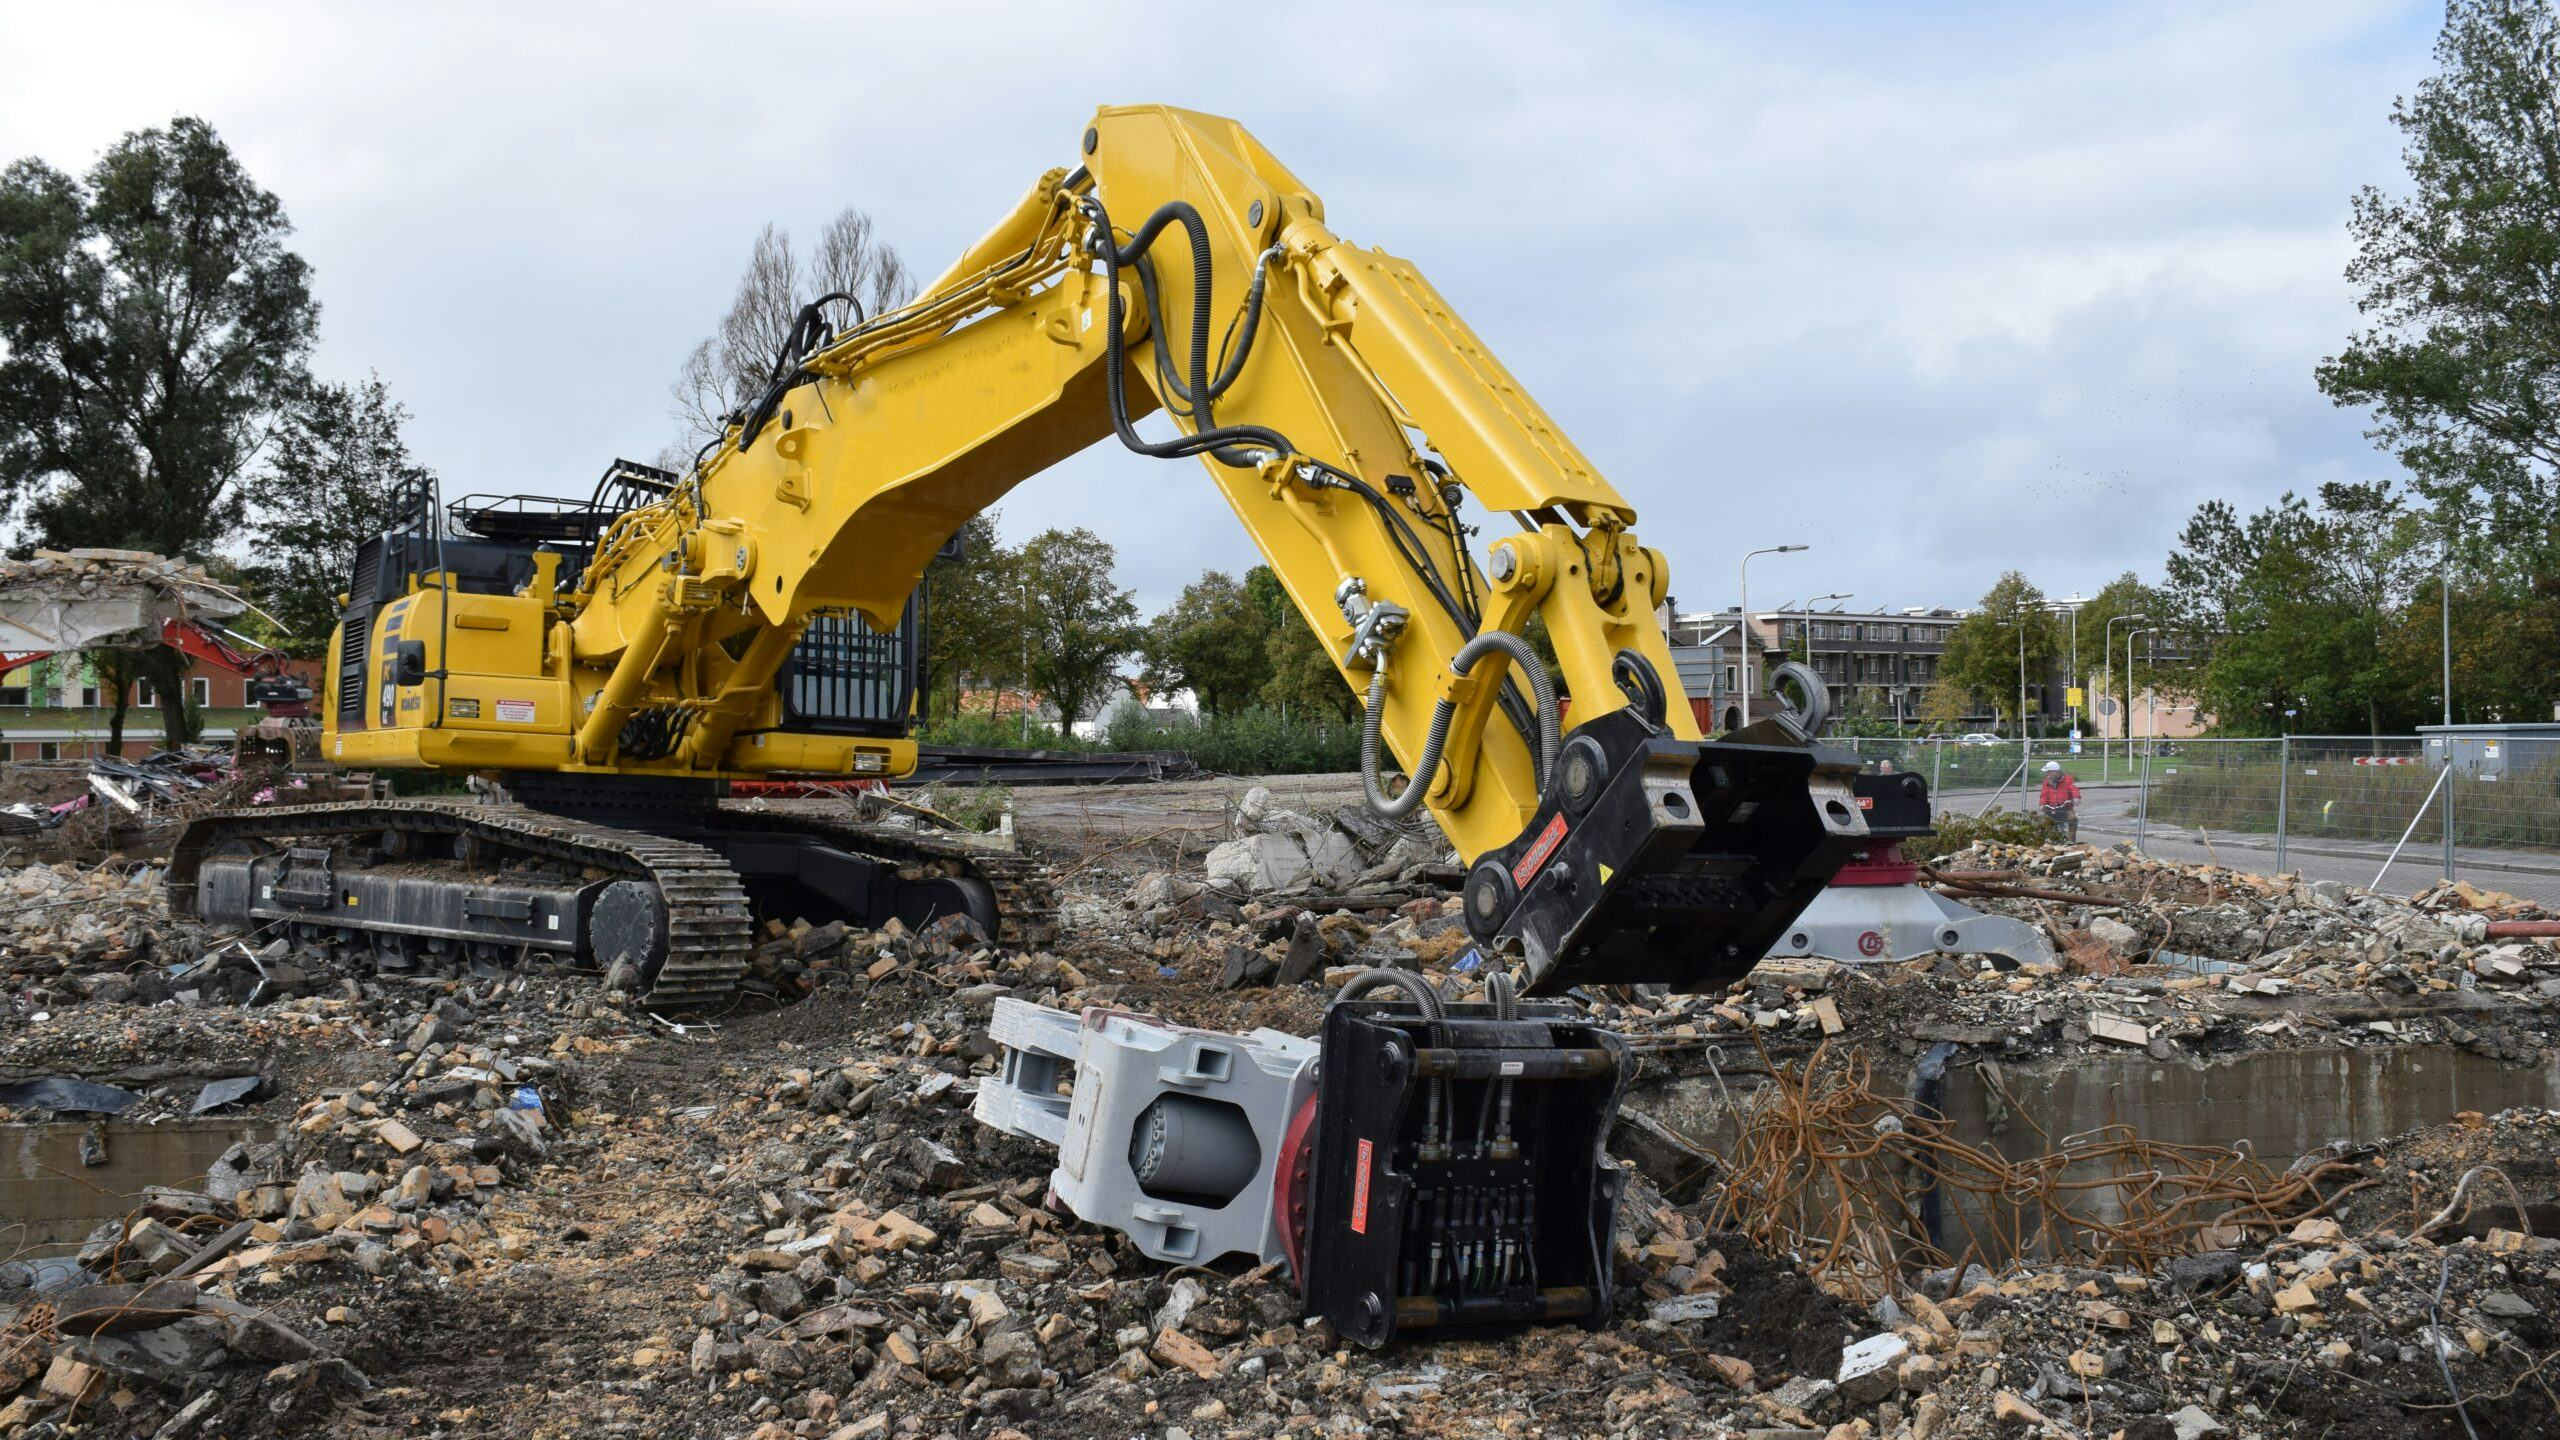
[56,584]
[85,925]
[1352,853]
[505,1201]
[2167,957]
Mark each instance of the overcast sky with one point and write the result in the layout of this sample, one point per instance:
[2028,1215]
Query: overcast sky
[1940,290]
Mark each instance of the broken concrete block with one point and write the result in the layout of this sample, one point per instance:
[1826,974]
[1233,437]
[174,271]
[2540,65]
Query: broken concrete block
[1867,1368]
[1680,1309]
[2119,1030]
[68,1380]
[2117,936]
[1255,864]
[2192,1423]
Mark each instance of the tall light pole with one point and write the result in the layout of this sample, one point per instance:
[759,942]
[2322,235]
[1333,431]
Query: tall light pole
[2072,681]
[1743,634]
[2018,618]
[2444,604]
[2151,693]
[1809,603]
[2106,662]
[2128,684]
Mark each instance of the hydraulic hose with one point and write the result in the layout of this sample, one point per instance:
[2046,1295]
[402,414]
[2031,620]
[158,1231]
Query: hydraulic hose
[1414,986]
[1542,689]
[1433,1009]
[1245,329]
[1224,442]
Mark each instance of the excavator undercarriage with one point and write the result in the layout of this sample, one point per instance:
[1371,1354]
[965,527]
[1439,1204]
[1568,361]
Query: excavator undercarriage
[669,891]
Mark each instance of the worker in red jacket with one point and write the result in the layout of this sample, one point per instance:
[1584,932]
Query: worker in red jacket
[2060,798]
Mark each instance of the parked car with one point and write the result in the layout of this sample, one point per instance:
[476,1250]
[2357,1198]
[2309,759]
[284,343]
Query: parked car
[1977,737]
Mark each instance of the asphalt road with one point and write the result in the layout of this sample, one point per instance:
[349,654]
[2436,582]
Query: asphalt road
[1187,817]
[2109,814]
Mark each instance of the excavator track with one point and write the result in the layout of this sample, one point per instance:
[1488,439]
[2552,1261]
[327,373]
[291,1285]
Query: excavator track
[709,920]
[1026,903]
[710,928]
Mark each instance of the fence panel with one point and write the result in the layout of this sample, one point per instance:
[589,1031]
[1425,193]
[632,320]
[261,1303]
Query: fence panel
[2369,810]
[2202,788]
[2506,793]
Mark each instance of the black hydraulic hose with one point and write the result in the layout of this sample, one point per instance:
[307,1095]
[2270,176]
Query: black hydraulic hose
[1506,1006]
[1246,327]
[1221,441]
[1228,444]
[1433,1009]
[1541,685]
[1421,991]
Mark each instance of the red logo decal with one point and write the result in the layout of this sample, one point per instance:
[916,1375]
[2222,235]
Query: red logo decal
[1531,863]
[1870,943]
[1360,1193]
[1866,802]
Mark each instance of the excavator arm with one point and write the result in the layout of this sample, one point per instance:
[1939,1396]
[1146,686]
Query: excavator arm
[1360,431]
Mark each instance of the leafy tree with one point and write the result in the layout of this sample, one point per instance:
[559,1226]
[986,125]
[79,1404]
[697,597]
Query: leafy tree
[1943,707]
[2457,363]
[2294,608]
[1213,641]
[973,617]
[2456,274]
[1982,650]
[729,367]
[338,470]
[151,321]
[1303,678]
[1081,624]
[2102,647]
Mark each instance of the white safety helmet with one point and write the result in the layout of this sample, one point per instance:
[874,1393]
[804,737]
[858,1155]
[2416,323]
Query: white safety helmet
[2052,766]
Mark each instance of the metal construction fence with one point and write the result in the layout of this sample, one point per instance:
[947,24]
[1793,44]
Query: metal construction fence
[2386,812]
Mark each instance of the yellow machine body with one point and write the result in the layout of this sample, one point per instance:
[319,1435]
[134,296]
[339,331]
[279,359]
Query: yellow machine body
[907,425]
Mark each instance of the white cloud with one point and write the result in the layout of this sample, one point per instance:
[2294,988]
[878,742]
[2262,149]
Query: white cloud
[1942,290]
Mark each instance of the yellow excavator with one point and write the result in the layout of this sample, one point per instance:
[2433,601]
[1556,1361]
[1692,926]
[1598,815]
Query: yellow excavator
[618,661]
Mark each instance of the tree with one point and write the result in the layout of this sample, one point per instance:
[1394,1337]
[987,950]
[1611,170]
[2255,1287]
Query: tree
[2102,645]
[730,367]
[1303,678]
[334,480]
[1213,641]
[973,616]
[2294,608]
[2457,365]
[1081,624]
[1943,708]
[2456,275]
[1982,650]
[151,321]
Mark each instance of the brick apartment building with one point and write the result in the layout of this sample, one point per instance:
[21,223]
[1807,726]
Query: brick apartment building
[1878,662]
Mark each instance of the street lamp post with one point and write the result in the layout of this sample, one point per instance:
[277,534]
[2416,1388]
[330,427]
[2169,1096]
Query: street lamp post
[2142,809]
[2106,661]
[2072,681]
[1742,637]
[2128,687]
[2444,608]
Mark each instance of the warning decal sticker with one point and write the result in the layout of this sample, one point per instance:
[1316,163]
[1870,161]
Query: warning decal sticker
[1360,1191]
[1531,863]
[516,712]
